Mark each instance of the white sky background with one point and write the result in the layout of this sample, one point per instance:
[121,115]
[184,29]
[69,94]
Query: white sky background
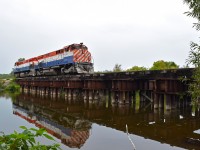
[127,32]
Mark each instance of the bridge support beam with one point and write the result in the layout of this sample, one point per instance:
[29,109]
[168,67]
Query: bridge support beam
[121,97]
[168,102]
[76,93]
[156,101]
[102,95]
[113,97]
[69,94]
[85,96]
[90,96]
[43,91]
[54,92]
[127,97]
[47,91]
[96,95]
[161,100]
[33,90]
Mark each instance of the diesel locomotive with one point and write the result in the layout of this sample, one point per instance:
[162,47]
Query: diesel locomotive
[71,59]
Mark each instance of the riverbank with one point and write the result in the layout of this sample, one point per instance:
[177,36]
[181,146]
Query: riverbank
[9,85]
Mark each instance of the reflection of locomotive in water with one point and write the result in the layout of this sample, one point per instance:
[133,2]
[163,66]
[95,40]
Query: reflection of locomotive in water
[74,58]
[72,131]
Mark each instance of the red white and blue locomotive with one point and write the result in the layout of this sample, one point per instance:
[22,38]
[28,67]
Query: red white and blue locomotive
[74,58]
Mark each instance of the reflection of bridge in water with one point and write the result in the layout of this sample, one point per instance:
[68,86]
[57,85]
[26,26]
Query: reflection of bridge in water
[175,127]
[72,131]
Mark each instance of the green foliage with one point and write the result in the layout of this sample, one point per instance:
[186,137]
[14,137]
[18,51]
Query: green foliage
[9,85]
[2,85]
[6,76]
[194,54]
[137,68]
[117,68]
[194,6]
[161,65]
[194,87]
[13,87]
[26,140]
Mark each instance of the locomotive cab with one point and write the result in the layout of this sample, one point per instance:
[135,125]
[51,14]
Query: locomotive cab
[81,59]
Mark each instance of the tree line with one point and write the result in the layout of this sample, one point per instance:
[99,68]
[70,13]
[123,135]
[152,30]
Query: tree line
[6,76]
[157,65]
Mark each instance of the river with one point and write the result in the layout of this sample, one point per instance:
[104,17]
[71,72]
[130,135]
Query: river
[97,126]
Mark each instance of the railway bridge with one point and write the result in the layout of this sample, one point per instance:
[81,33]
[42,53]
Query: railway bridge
[158,87]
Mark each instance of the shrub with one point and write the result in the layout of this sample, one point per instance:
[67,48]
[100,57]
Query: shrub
[26,140]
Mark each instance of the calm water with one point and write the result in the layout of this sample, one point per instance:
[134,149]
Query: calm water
[101,126]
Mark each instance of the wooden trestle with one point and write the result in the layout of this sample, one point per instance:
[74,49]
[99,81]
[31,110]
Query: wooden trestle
[158,87]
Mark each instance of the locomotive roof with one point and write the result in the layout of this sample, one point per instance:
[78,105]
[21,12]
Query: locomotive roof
[52,53]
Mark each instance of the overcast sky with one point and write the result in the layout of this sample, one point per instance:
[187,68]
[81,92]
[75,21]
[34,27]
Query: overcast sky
[127,32]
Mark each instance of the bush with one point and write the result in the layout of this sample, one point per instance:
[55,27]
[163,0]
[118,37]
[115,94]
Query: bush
[26,140]
[12,87]
[1,85]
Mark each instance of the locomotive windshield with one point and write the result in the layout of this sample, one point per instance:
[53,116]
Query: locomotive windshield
[75,46]
[78,46]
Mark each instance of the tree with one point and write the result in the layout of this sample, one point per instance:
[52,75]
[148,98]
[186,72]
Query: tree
[194,6]
[136,68]
[117,68]
[194,86]
[194,54]
[161,65]
[6,76]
